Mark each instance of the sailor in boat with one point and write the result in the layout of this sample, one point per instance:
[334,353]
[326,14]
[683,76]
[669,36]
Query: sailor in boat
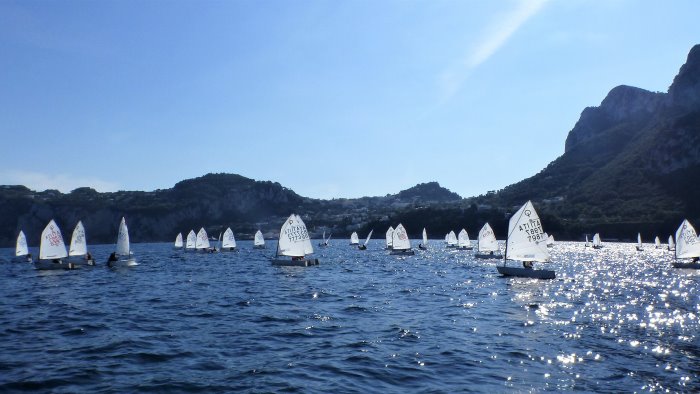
[88,259]
[29,257]
[112,258]
[362,247]
[421,247]
[526,264]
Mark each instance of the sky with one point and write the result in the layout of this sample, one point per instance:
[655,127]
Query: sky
[329,98]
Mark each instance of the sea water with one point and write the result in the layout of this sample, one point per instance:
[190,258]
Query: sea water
[362,321]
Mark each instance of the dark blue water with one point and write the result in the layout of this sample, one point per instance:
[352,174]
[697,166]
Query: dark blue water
[613,320]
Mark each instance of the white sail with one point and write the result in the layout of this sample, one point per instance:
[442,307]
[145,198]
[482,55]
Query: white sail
[369,236]
[229,239]
[389,237]
[463,239]
[294,238]
[52,245]
[425,237]
[447,238]
[526,240]
[191,240]
[400,239]
[451,238]
[202,239]
[354,239]
[639,239]
[487,240]
[123,247]
[657,242]
[550,240]
[596,240]
[178,240]
[78,244]
[671,244]
[259,239]
[586,244]
[21,248]
[687,243]
[323,237]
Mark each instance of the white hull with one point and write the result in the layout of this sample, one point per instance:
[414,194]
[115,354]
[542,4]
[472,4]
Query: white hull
[526,272]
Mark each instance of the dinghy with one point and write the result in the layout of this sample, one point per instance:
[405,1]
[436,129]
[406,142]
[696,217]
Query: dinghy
[596,242]
[400,244]
[526,243]
[487,245]
[451,240]
[121,257]
[639,243]
[550,241]
[259,240]
[463,241]
[671,245]
[52,250]
[447,238]
[587,244]
[295,243]
[325,241]
[424,244]
[389,237]
[364,247]
[687,247]
[354,239]
[229,241]
[202,244]
[78,247]
[21,249]
[657,243]
[178,241]
[191,241]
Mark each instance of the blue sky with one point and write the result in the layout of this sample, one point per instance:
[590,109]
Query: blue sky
[329,98]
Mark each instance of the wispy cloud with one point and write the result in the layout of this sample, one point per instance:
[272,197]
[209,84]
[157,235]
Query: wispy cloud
[494,37]
[63,182]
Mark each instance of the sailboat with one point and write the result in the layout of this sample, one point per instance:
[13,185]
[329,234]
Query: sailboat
[78,247]
[191,240]
[463,241]
[424,244]
[596,242]
[21,249]
[364,247]
[325,241]
[525,242]
[52,249]
[550,241]
[389,237]
[451,240]
[259,240]
[447,238]
[121,257]
[657,243]
[487,245]
[671,244]
[202,244]
[294,242]
[639,242]
[400,244]
[354,239]
[587,244]
[229,242]
[687,246]
[178,241]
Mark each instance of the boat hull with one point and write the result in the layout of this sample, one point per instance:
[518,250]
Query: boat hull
[294,263]
[362,247]
[639,249]
[421,247]
[402,252]
[488,256]
[50,265]
[526,272]
[679,264]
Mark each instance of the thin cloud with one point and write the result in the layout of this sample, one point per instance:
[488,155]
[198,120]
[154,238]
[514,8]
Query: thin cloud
[63,182]
[494,37]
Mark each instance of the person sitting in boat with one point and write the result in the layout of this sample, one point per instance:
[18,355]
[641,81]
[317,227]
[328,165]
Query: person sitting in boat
[29,257]
[695,259]
[526,264]
[112,257]
[88,257]
[56,261]
[297,258]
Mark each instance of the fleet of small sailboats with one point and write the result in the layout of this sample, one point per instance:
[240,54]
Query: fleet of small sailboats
[295,243]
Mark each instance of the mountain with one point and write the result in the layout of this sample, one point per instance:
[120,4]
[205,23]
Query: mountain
[630,164]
